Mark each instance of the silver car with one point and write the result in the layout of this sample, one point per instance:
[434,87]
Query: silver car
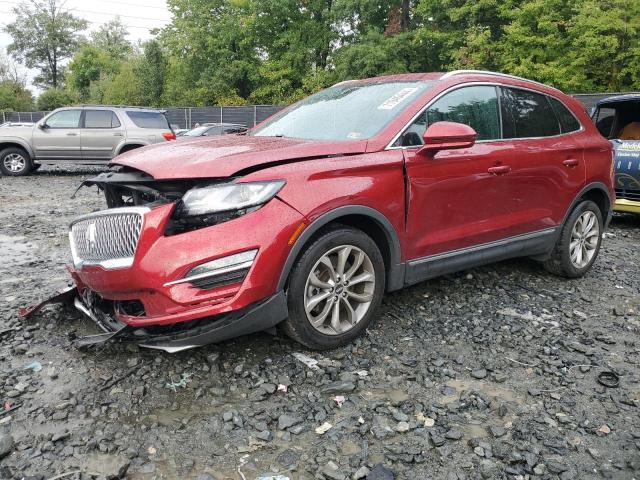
[83,135]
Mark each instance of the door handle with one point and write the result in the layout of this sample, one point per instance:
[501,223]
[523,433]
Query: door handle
[117,134]
[571,162]
[499,170]
[71,134]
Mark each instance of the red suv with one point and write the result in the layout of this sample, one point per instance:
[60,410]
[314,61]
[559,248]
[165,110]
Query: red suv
[363,188]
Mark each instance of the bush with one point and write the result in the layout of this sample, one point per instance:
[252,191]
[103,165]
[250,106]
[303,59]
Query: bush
[54,98]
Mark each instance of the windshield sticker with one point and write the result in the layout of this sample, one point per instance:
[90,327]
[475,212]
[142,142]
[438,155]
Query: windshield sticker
[354,135]
[397,98]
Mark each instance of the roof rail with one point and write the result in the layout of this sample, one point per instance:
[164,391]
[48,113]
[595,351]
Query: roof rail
[497,74]
[115,106]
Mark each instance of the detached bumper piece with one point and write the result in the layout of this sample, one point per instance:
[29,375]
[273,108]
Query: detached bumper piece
[173,338]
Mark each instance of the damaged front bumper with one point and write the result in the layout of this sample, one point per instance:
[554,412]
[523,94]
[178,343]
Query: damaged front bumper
[262,315]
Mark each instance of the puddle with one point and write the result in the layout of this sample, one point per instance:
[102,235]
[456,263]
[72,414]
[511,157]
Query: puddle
[394,396]
[16,251]
[486,388]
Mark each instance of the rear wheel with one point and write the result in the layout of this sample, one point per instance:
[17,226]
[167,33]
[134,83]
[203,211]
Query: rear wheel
[334,288]
[15,162]
[579,242]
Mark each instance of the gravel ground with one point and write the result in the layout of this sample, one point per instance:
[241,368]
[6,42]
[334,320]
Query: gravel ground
[490,373]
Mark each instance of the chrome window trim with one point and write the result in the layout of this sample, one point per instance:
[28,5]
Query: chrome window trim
[111,264]
[496,74]
[474,83]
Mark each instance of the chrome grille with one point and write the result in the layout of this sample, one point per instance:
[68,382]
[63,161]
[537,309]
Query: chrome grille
[108,238]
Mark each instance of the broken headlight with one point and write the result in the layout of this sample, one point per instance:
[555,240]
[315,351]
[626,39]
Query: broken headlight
[211,205]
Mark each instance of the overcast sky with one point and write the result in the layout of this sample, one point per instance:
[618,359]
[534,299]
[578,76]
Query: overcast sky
[139,16]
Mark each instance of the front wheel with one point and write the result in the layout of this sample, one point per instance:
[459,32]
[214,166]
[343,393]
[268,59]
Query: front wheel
[579,242]
[334,288]
[15,162]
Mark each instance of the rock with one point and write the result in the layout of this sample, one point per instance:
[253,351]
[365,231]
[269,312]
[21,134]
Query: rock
[437,440]
[269,387]
[604,429]
[402,427]
[453,434]
[361,473]
[380,472]
[556,467]
[497,431]
[6,444]
[285,421]
[288,459]
[52,373]
[339,387]
[324,428]
[331,471]
[264,435]
[539,469]
[380,427]
[479,373]
[479,451]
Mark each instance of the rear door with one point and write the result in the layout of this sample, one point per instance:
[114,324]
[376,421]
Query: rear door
[547,163]
[58,138]
[102,132]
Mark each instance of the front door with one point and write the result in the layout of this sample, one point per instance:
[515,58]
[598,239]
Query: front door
[102,132]
[458,198]
[58,138]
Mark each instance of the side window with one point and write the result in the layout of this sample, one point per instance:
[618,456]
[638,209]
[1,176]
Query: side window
[64,119]
[527,114]
[604,118]
[474,106]
[213,131]
[568,123]
[100,119]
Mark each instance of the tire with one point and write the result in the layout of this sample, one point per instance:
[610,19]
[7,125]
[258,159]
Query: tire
[15,162]
[362,261]
[569,263]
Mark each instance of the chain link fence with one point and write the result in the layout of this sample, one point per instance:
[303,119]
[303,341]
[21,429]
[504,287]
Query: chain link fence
[249,115]
[184,117]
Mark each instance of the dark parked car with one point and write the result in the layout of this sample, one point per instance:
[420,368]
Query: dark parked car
[618,119]
[363,188]
[213,129]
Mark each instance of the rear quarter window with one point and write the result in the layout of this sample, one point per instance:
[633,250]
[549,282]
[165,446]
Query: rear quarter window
[568,123]
[154,120]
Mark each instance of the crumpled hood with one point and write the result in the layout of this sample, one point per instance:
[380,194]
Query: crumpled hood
[226,155]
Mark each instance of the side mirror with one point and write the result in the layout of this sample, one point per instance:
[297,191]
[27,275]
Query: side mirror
[43,126]
[447,136]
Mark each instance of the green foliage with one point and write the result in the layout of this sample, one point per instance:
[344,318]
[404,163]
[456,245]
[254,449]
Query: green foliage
[232,52]
[14,97]
[54,98]
[44,35]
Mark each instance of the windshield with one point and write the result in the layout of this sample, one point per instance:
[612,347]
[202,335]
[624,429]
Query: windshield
[345,111]
[196,132]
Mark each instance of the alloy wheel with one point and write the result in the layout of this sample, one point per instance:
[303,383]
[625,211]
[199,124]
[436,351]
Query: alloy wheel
[15,163]
[339,290]
[584,239]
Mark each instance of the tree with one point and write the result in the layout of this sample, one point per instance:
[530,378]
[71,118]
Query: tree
[152,72]
[14,97]
[111,37]
[89,65]
[44,35]
[54,98]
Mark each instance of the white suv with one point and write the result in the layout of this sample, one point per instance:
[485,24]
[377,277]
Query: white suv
[83,135]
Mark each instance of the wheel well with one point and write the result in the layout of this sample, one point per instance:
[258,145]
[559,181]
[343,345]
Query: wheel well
[129,147]
[13,145]
[600,198]
[365,224]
